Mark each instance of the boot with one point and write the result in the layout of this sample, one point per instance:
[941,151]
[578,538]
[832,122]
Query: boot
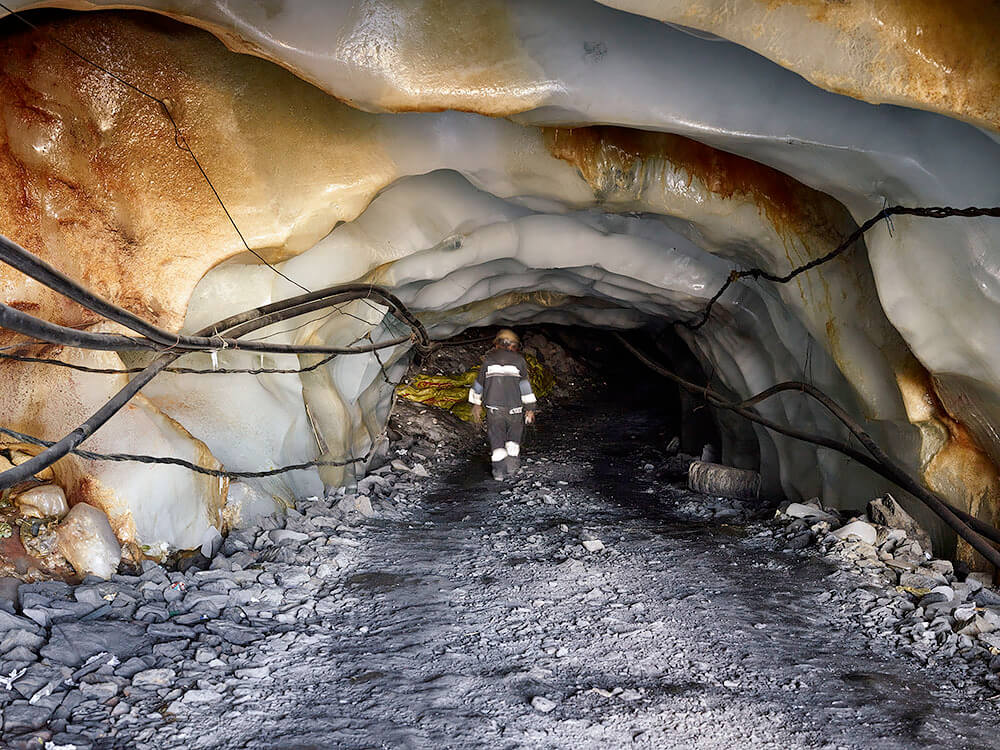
[513,465]
[498,470]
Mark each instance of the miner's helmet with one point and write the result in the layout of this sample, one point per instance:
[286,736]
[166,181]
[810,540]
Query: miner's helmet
[507,339]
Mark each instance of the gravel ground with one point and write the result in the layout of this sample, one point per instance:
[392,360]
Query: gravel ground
[467,613]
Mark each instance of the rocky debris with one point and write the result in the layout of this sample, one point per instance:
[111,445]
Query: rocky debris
[426,429]
[163,658]
[887,512]
[131,649]
[88,543]
[917,603]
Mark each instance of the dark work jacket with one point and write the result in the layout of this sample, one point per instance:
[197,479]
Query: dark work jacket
[503,382]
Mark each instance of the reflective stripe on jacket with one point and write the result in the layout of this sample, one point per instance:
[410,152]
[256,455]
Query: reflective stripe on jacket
[503,382]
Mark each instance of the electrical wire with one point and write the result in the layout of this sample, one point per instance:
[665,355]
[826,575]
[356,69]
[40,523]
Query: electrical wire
[966,526]
[173,461]
[929,212]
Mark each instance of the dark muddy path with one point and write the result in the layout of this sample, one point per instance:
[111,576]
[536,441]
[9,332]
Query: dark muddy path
[481,621]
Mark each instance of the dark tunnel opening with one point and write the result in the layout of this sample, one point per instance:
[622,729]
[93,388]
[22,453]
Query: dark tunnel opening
[609,373]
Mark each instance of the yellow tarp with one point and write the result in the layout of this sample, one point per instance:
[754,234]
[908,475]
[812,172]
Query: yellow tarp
[451,392]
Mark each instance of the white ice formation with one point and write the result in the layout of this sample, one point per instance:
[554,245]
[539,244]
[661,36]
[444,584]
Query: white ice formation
[510,161]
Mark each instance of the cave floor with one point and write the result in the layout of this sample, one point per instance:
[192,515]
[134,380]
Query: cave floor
[680,633]
[476,618]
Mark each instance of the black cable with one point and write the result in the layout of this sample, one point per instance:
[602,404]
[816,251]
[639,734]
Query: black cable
[218,370]
[173,461]
[174,370]
[966,526]
[31,265]
[20,322]
[236,325]
[929,212]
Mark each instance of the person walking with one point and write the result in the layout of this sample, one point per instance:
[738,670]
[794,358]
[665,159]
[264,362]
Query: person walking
[503,388]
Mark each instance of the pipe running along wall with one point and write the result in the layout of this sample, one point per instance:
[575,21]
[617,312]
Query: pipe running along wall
[339,165]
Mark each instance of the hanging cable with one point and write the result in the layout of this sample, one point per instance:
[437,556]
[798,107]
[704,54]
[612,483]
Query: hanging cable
[235,325]
[172,461]
[929,212]
[34,267]
[966,526]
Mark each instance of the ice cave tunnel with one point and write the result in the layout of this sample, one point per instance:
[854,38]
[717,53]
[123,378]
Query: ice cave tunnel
[603,164]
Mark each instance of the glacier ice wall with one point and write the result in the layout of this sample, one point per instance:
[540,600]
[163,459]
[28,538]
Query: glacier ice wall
[607,169]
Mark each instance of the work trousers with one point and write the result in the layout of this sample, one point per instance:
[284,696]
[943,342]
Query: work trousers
[504,428]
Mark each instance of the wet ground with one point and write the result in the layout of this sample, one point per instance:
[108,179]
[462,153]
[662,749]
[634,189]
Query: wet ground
[482,621]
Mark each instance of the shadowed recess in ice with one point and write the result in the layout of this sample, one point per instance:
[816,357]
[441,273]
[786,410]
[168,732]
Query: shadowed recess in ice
[598,166]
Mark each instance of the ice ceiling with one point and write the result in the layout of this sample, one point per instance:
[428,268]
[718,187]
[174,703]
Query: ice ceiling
[508,161]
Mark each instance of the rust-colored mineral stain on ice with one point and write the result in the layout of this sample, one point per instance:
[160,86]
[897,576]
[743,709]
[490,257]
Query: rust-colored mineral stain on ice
[444,54]
[958,469]
[601,151]
[930,54]
[91,178]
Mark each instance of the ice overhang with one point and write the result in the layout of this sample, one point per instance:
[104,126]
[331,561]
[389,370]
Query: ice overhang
[604,169]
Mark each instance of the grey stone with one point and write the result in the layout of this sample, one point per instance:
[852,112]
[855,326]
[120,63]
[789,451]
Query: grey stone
[170,630]
[282,536]
[152,613]
[232,633]
[10,621]
[37,676]
[205,600]
[860,530]
[20,653]
[253,673]
[100,691]
[887,512]
[171,650]
[212,542]
[24,717]
[941,567]
[920,581]
[938,594]
[542,704]
[327,569]
[135,665]
[204,655]
[986,598]
[43,592]
[8,593]
[810,512]
[15,638]
[72,643]
[193,617]
[154,678]
[201,696]
[979,579]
